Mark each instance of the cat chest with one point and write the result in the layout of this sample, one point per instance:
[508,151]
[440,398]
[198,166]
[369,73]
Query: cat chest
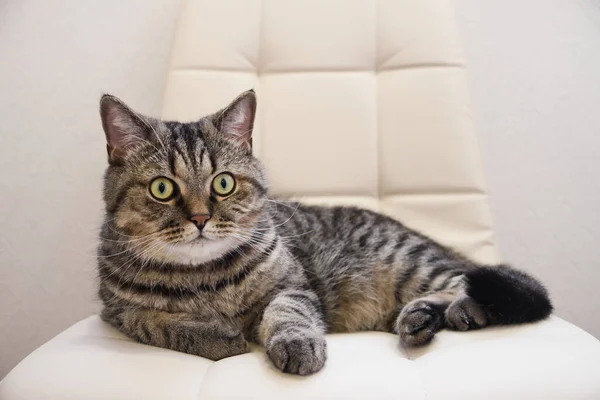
[230,296]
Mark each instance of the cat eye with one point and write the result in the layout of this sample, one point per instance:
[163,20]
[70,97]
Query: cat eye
[223,184]
[162,189]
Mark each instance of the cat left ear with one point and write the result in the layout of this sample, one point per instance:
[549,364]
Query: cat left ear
[236,121]
[123,127]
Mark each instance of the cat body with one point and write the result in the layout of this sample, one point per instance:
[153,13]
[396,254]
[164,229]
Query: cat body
[196,257]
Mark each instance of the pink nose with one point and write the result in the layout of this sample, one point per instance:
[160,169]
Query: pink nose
[200,219]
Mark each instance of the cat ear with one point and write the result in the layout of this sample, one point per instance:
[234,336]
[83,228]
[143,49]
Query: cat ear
[236,121]
[123,127]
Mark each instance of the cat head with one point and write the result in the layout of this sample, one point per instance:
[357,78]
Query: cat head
[182,192]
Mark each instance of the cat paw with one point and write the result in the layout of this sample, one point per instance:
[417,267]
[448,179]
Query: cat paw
[233,345]
[218,340]
[418,323]
[297,354]
[464,314]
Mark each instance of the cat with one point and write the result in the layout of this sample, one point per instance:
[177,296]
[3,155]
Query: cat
[195,256]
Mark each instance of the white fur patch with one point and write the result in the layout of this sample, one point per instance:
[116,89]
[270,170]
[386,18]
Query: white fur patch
[199,253]
[192,251]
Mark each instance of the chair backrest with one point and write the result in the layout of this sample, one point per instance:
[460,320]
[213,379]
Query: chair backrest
[360,102]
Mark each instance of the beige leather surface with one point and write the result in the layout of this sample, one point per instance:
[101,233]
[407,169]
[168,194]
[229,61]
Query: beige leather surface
[551,360]
[360,102]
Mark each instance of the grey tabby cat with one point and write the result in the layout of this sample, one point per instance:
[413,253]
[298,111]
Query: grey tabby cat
[195,257]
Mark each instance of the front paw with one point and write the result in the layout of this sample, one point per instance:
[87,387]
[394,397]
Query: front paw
[418,323]
[232,346]
[297,354]
[218,341]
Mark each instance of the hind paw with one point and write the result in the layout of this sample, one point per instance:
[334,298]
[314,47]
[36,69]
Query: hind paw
[464,314]
[418,323]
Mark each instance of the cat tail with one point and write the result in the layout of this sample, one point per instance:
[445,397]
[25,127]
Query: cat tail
[508,296]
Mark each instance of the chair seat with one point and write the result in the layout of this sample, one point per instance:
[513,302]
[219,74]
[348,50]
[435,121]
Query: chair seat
[91,360]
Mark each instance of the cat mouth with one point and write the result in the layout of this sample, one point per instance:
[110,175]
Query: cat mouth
[199,238]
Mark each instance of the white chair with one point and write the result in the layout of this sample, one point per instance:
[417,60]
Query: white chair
[360,102]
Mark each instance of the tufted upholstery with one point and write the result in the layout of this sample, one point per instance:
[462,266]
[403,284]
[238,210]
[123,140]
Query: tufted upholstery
[360,102]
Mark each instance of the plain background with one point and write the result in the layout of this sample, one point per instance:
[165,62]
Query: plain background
[535,87]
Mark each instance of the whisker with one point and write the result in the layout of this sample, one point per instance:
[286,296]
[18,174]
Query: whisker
[129,261]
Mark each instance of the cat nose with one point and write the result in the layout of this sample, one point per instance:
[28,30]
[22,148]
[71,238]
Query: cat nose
[199,220]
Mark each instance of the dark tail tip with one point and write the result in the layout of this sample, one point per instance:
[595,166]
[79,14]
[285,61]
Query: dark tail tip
[509,296]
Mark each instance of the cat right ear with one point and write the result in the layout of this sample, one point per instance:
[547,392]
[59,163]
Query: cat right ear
[123,127]
[236,121]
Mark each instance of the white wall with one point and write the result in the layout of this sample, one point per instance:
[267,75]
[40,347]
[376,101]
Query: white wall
[56,59]
[535,82]
[535,88]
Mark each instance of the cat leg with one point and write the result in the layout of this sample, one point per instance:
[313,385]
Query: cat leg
[178,331]
[422,318]
[292,331]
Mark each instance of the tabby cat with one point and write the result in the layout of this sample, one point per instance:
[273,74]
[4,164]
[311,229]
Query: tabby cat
[196,257]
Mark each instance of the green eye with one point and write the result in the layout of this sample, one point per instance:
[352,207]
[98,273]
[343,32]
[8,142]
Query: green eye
[223,184]
[162,189]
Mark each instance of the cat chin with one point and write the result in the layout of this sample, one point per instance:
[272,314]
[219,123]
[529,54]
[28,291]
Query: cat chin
[197,251]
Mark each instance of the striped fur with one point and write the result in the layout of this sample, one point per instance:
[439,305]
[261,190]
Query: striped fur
[274,272]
